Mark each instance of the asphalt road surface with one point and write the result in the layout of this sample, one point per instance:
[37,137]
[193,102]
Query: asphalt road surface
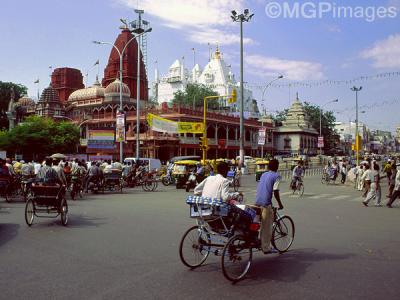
[126,247]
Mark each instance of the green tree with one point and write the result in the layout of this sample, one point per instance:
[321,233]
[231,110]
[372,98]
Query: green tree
[38,137]
[328,120]
[194,95]
[5,96]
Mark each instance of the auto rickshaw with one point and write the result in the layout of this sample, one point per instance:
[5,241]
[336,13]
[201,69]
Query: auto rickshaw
[261,168]
[182,170]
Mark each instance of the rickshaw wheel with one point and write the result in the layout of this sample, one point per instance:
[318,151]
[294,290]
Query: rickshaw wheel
[64,212]
[193,249]
[146,186]
[236,258]
[236,184]
[29,212]
[155,185]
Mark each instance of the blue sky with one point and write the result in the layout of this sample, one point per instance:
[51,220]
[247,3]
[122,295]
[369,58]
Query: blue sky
[43,33]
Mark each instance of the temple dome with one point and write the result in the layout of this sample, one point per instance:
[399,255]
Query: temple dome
[93,92]
[112,90]
[25,101]
[49,94]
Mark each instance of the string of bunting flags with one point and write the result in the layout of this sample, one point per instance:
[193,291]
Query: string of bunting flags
[312,84]
[370,106]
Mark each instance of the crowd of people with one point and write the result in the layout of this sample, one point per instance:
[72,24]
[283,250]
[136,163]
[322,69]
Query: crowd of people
[368,176]
[56,171]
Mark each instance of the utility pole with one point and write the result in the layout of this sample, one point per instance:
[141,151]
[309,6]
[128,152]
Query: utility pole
[357,142]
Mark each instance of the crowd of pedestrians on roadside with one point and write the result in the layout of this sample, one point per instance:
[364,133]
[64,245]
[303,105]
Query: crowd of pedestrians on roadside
[368,177]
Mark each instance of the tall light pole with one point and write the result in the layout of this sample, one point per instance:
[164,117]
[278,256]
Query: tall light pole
[357,143]
[244,17]
[138,28]
[121,54]
[320,121]
[262,101]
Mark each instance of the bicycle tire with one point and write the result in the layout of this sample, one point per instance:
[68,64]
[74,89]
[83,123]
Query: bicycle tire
[64,212]
[230,254]
[301,190]
[283,227]
[29,212]
[165,181]
[197,248]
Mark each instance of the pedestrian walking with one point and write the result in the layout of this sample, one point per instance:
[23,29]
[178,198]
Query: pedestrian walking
[375,187]
[392,179]
[366,179]
[396,190]
[343,170]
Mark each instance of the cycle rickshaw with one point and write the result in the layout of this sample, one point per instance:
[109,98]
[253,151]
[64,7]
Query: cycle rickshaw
[46,201]
[231,232]
[114,180]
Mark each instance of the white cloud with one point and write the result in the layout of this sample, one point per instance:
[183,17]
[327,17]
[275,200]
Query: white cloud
[216,36]
[334,28]
[203,21]
[385,53]
[182,13]
[290,69]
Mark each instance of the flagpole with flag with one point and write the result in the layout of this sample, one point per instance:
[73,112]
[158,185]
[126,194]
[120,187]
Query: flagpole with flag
[89,69]
[38,92]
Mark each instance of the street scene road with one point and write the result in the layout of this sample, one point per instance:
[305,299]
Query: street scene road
[125,246]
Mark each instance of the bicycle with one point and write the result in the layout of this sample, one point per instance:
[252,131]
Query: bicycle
[298,189]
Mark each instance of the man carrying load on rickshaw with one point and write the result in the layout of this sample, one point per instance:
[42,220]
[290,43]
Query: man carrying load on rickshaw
[268,185]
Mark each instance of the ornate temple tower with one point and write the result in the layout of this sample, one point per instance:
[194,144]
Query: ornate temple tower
[129,66]
[65,81]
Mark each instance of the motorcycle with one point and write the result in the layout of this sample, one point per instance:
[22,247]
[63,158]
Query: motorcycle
[75,187]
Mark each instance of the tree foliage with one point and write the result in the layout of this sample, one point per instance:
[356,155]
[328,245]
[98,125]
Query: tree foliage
[328,120]
[5,96]
[194,95]
[39,137]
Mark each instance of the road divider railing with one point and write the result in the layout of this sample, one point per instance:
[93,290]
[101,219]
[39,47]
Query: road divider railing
[285,174]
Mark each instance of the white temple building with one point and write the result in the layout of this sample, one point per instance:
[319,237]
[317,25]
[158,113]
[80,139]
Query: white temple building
[216,75]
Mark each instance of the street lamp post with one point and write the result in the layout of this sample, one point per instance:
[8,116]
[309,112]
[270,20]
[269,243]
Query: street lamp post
[138,28]
[355,89]
[121,54]
[320,121]
[262,101]
[244,17]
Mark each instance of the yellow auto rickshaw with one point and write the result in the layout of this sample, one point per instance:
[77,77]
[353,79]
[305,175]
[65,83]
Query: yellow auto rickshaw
[182,170]
[261,168]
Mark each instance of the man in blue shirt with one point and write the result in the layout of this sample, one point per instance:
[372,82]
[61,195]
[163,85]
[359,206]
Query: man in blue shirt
[268,185]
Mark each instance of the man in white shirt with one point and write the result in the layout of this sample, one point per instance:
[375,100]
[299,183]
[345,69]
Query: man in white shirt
[216,187]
